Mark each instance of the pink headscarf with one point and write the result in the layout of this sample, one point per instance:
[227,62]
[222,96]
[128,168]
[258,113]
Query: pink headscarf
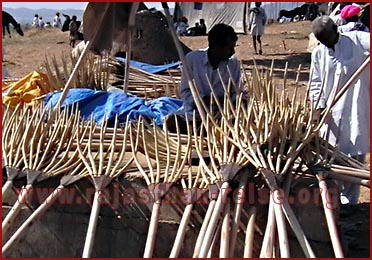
[350,11]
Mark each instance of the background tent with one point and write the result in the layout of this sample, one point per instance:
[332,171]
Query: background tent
[231,13]
[234,14]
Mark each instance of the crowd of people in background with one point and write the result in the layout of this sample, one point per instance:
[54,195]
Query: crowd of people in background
[38,22]
[71,25]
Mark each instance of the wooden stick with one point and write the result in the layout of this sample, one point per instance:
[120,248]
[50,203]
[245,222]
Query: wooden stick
[268,240]
[14,211]
[351,80]
[214,240]
[239,202]
[225,232]
[93,220]
[249,235]
[330,217]
[131,23]
[350,179]
[203,229]
[281,226]
[181,232]
[12,174]
[22,199]
[151,235]
[213,222]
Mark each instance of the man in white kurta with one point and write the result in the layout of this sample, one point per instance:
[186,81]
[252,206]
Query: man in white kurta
[215,66]
[335,60]
[203,73]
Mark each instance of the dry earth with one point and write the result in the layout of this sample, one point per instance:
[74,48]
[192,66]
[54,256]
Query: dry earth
[281,42]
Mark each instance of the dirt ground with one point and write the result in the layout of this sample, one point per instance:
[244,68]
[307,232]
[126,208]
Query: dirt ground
[282,43]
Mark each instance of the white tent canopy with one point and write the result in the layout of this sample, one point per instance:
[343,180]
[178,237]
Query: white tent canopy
[234,14]
[231,13]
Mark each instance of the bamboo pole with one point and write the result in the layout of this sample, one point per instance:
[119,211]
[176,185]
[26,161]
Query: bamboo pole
[225,232]
[131,23]
[181,231]
[239,201]
[22,199]
[268,240]
[203,229]
[193,195]
[93,219]
[249,235]
[214,218]
[330,217]
[281,226]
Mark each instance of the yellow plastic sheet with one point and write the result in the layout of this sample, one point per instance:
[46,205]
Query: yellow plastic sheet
[25,90]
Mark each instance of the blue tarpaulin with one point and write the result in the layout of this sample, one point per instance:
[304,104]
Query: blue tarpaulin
[149,67]
[106,105]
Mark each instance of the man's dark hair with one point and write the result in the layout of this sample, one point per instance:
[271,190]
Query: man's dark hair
[219,35]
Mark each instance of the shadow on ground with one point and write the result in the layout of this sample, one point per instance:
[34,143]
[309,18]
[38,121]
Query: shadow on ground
[354,224]
[294,60]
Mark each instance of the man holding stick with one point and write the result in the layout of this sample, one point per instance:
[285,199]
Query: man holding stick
[333,63]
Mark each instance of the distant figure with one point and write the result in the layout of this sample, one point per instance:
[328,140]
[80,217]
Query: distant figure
[57,23]
[202,29]
[41,22]
[350,14]
[73,27]
[8,19]
[35,21]
[47,25]
[66,23]
[181,26]
[257,21]
[198,30]
[192,31]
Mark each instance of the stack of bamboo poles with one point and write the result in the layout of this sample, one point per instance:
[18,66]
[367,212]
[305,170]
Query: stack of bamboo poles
[262,137]
[144,84]
[93,72]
